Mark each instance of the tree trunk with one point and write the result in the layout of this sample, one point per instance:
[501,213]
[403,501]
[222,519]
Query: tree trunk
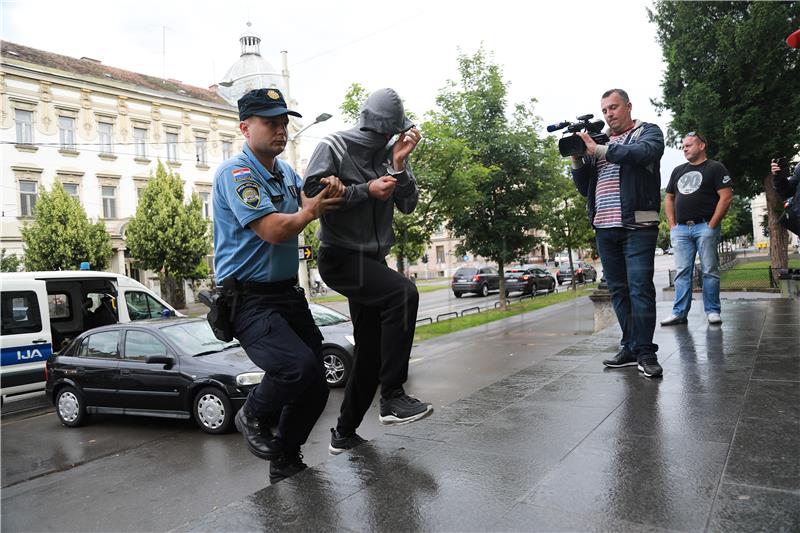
[501,269]
[778,236]
[401,264]
[172,291]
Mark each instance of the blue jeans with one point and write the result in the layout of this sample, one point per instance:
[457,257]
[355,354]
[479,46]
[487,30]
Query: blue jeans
[687,242]
[627,257]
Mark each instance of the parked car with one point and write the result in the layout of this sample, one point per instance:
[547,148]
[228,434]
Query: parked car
[480,280]
[338,343]
[583,272]
[529,280]
[172,367]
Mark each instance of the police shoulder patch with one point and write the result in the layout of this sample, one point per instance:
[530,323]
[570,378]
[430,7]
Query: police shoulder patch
[249,193]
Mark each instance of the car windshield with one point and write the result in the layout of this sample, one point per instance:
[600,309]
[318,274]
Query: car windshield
[463,272]
[325,316]
[514,273]
[196,338]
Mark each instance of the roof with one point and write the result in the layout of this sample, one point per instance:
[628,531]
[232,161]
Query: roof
[93,68]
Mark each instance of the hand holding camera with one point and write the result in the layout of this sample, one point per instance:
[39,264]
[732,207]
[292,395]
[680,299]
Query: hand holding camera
[586,134]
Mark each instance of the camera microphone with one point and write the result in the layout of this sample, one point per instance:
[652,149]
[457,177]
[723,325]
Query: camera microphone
[555,127]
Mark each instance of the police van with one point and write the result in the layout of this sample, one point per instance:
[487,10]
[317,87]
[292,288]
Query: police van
[41,312]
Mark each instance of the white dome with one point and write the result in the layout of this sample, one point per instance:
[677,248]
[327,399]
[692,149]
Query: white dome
[251,71]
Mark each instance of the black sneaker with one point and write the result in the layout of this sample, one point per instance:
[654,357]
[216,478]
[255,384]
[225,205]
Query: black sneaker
[623,358]
[403,409]
[259,440]
[287,465]
[341,443]
[651,368]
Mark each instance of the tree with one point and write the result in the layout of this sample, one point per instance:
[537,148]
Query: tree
[509,163]
[730,76]
[564,217]
[61,236]
[9,262]
[167,235]
[739,220]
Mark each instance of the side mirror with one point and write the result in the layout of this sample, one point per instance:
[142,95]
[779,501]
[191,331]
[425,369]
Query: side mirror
[160,359]
[167,313]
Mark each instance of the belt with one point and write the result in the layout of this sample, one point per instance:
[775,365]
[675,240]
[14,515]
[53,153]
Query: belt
[266,287]
[693,222]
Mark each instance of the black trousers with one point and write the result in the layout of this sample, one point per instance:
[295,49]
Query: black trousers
[279,335]
[383,306]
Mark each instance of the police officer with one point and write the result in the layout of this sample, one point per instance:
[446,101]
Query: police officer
[256,223]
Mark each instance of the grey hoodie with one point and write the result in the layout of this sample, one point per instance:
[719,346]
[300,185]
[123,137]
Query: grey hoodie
[357,156]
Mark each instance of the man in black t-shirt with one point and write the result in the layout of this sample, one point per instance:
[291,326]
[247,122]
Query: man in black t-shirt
[698,197]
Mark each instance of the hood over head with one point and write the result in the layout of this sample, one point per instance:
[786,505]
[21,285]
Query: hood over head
[383,113]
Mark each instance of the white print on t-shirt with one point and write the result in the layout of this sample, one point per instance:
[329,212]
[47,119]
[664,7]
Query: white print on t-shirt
[726,179]
[690,182]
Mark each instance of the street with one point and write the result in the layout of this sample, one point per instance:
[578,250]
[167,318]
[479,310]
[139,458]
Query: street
[130,473]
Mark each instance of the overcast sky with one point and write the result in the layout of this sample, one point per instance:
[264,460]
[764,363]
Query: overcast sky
[563,53]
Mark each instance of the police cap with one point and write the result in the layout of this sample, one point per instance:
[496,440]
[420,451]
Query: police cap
[264,103]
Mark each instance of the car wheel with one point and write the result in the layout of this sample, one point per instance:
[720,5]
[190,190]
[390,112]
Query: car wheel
[484,290]
[212,411]
[337,367]
[70,407]
[534,289]
[458,294]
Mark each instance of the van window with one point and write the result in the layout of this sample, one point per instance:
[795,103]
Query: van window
[142,306]
[20,313]
[59,306]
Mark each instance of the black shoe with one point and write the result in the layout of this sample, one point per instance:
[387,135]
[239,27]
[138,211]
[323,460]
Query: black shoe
[286,465]
[262,446]
[341,443]
[403,409]
[651,369]
[623,358]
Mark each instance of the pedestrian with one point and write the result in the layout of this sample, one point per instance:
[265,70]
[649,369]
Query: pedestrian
[622,183]
[698,197]
[354,242]
[256,223]
[788,188]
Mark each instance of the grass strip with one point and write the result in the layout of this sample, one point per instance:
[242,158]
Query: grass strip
[429,331]
[754,275]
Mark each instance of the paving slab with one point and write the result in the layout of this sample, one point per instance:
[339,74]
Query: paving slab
[568,445]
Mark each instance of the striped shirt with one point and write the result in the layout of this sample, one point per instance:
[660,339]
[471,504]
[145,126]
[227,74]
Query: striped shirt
[608,204]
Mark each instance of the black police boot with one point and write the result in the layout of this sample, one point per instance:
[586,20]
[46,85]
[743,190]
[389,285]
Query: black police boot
[262,446]
[287,465]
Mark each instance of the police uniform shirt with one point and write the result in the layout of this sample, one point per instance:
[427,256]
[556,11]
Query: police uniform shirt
[695,188]
[244,191]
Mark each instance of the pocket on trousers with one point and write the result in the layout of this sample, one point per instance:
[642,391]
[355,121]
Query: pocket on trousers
[254,330]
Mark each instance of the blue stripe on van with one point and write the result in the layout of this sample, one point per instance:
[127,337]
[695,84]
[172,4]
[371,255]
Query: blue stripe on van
[25,354]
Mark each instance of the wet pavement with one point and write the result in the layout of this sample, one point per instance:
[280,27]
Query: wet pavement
[567,445]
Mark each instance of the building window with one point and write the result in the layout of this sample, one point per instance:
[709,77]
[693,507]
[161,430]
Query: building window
[205,197]
[139,140]
[200,151]
[440,254]
[106,133]
[66,132]
[27,197]
[227,149]
[24,121]
[72,190]
[109,201]
[172,147]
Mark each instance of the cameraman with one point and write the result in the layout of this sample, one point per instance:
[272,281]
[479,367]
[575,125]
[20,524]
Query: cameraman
[622,183]
[787,186]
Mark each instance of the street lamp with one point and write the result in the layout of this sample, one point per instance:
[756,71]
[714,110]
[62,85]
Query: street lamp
[322,117]
[229,83]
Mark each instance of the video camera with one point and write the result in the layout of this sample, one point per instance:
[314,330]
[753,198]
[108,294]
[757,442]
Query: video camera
[572,144]
[786,168]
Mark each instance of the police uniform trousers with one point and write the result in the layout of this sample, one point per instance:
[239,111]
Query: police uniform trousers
[279,335]
[383,306]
